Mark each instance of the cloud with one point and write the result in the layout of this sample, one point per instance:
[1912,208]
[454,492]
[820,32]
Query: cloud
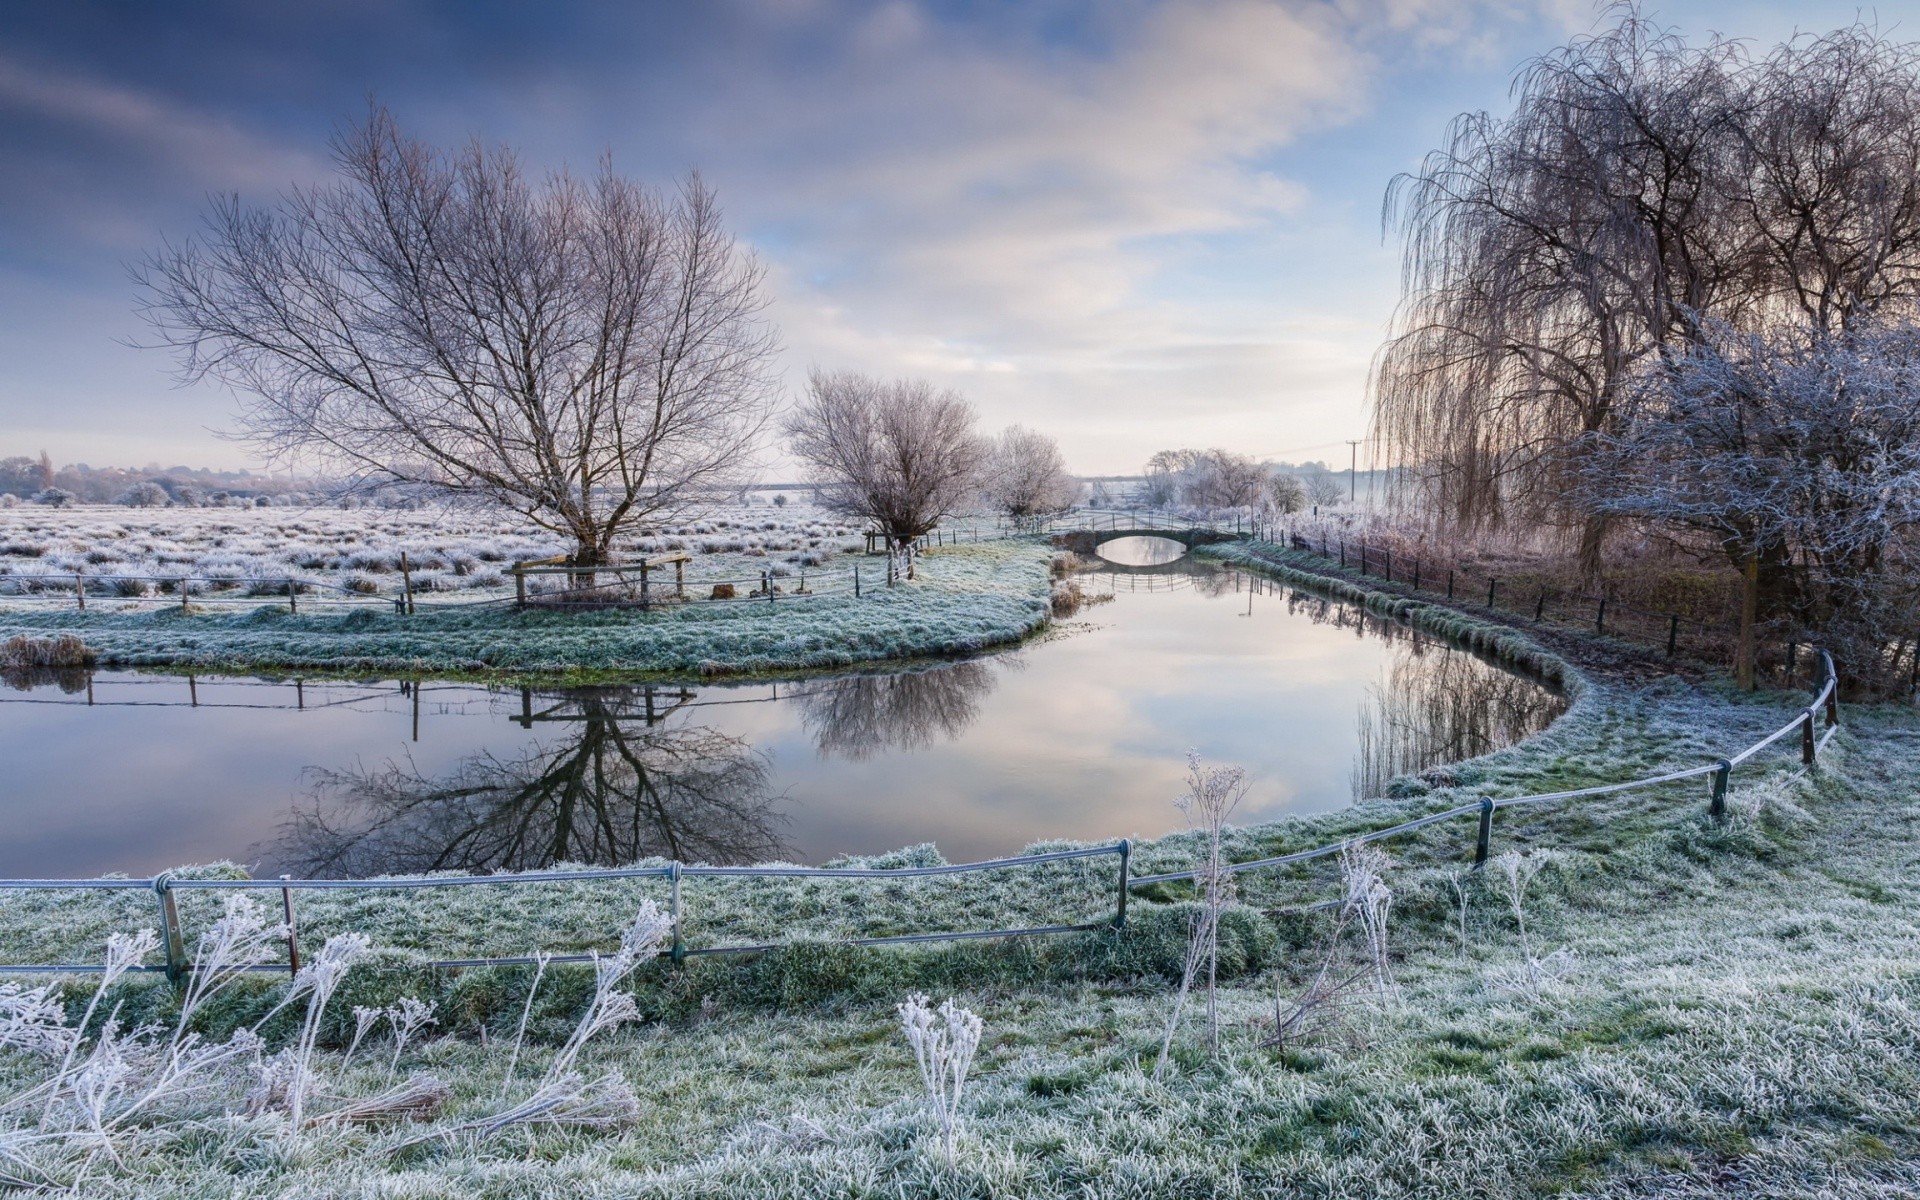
[101,162]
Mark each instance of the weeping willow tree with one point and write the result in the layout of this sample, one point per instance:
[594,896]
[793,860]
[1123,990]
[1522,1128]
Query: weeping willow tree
[1640,188]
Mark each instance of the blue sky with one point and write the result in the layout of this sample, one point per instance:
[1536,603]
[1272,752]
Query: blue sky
[1130,225]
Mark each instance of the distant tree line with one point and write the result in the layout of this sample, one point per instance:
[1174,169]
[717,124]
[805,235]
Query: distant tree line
[36,479]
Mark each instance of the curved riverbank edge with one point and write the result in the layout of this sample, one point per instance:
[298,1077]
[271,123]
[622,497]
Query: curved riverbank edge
[971,598]
[1504,645]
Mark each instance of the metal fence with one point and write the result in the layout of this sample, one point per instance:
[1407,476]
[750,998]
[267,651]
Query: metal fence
[177,965]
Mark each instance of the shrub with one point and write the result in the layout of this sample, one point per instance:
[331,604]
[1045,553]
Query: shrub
[23,652]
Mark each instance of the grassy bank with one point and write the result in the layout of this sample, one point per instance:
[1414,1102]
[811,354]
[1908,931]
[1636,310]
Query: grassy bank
[968,598]
[1735,1010]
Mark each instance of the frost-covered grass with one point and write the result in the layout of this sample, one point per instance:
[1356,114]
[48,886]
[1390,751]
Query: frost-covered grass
[968,598]
[1735,1012]
[464,551]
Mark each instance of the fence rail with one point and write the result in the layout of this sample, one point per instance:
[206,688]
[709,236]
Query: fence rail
[1676,632]
[177,964]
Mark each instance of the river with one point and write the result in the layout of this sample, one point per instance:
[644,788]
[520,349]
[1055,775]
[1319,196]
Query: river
[1083,733]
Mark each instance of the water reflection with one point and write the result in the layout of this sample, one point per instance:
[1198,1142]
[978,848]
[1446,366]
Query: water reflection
[859,716]
[1141,551]
[1081,735]
[71,681]
[608,786]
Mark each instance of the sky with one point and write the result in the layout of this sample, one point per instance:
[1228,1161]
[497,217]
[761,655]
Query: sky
[1128,225]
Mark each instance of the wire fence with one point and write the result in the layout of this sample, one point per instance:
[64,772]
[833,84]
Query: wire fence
[1674,633]
[641,584]
[177,965]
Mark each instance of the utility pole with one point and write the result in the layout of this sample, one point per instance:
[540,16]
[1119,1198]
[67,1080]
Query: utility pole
[1353,462]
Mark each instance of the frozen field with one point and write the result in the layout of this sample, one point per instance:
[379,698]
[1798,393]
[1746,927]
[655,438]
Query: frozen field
[130,552]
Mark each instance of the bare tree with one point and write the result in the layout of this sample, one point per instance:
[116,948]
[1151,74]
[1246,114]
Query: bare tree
[1544,255]
[1285,493]
[1167,472]
[589,354]
[1026,476]
[899,454]
[1222,479]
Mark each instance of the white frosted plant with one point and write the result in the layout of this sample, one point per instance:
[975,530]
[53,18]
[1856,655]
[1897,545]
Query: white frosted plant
[1514,873]
[316,981]
[240,938]
[944,1041]
[365,1017]
[611,1007]
[526,1011]
[1369,900]
[1212,795]
[407,1018]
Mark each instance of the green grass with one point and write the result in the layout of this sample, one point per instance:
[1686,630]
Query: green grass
[1740,1014]
[969,598]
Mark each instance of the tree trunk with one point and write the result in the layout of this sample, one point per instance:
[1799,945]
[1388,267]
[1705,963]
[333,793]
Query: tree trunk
[1744,651]
[1593,545]
[589,551]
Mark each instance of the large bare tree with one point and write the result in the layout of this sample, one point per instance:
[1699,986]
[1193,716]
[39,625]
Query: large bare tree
[588,353]
[900,454]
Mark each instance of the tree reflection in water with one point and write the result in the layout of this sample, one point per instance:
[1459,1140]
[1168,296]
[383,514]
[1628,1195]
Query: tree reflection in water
[610,788]
[859,716]
[1439,704]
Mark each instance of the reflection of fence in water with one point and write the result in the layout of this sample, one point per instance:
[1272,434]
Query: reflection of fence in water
[166,889]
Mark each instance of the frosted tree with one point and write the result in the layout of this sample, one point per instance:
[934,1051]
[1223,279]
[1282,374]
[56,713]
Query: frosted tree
[1797,453]
[1026,476]
[588,353]
[900,454]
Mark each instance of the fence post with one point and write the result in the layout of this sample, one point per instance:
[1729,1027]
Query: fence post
[1540,605]
[171,942]
[1485,840]
[1673,632]
[1416,574]
[1120,900]
[643,585]
[406,582]
[519,586]
[1833,693]
[1600,616]
[293,927]
[183,594]
[1717,806]
[1449,583]
[679,951]
[80,591]
[1793,652]
[856,581]
[1806,739]
[1389,554]
[1491,583]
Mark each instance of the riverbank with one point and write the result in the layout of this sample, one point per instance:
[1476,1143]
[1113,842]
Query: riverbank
[969,598]
[1694,1007]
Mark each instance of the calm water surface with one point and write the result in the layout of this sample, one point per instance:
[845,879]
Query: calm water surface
[1083,734]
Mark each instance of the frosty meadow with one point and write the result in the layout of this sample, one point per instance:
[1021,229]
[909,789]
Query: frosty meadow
[604,743]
